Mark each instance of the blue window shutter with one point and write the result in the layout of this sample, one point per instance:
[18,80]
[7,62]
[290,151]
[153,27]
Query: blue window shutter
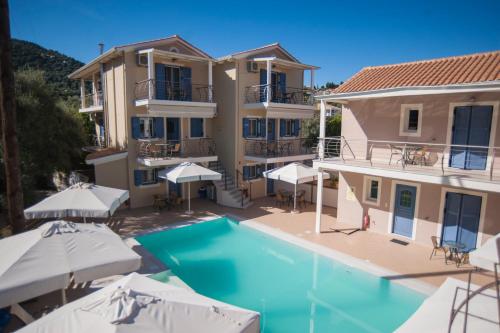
[263,82]
[282,127]
[246,173]
[282,83]
[246,128]
[296,127]
[136,128]
[138,177]
[196,127]
[160,81]
[187,90]
[469,221]
[159,127]
[262,127]
[479,135]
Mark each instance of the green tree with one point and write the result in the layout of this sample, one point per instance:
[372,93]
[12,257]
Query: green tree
[50,132]
[310,128]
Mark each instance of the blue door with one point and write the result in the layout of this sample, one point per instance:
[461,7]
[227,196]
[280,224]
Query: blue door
[404,210]
[173,130]
[471,127]
[270,182]
[271,129]
[461,219]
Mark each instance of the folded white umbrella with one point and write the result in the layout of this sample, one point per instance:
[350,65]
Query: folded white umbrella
[487,255]
[40,261]
[188,172]
[79,200]
[433,316]
[137,303]
[294,173]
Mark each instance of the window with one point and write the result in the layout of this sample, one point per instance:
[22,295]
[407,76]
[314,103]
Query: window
[411,120]
[146,126]
[254,128]
[145,177]
[197,128]
[289,127]
[253,171]
[371,190]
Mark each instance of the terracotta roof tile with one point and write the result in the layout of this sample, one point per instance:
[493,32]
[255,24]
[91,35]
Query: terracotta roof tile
[473,68]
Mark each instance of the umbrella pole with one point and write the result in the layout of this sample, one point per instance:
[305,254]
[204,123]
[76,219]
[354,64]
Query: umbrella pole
[189,211]
[295,211]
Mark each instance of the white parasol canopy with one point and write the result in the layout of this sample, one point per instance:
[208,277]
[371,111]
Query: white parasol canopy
[188,172]
[294,173]
[79,200]
[433,316]
[487,255]
[40,261]
[137,303]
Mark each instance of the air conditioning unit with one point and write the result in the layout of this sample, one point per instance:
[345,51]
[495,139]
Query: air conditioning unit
[142,60]
[252,67]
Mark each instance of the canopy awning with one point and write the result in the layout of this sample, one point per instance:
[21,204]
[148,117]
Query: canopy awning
[40,261]
[140,304]
[487,255]
[79,200]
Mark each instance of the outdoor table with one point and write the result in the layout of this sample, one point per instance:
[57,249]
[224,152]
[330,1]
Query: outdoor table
[456,251]
[406,152]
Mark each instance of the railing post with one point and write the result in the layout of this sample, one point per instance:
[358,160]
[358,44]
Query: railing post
[151,75]
[442,160]
[268,81]
[322,131]
[403,160]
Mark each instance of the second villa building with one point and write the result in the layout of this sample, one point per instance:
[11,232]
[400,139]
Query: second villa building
[159,103]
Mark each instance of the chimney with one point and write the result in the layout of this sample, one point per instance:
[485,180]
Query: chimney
[101,48]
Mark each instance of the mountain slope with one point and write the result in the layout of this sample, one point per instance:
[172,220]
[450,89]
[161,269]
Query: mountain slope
[56,66]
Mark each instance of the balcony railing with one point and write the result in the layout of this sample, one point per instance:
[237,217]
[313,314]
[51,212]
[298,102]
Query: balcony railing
[92,100]
[444,159]
[277,148]
[176,148]
[290,95]
[172,91]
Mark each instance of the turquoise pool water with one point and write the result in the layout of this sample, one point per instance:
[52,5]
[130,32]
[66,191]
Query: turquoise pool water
[294,289]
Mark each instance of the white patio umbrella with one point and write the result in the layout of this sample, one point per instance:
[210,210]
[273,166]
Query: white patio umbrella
[40,261]
[188,172]
[487,255]
[137,303]
[79,200]
[294,173]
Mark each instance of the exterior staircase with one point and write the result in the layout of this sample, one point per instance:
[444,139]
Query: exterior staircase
[227,192]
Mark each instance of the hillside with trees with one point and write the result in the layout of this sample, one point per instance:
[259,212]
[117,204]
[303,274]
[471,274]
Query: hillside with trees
[50,130]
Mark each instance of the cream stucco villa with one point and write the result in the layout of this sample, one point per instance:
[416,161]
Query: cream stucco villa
[159,103]
[419,154]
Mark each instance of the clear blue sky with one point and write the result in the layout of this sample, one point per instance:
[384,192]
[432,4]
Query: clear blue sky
[339,36]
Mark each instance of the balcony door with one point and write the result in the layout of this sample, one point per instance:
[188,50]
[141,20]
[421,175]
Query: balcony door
[461,219]
[277,88]
[471,127]
[173,130]
[173,83]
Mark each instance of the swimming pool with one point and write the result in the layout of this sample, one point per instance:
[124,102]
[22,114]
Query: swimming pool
[294,289]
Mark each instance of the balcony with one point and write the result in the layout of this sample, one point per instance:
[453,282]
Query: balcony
[272,151]
[175,99]
[92,103]
[286,102]
[160,153]
[473,167]
[97,143]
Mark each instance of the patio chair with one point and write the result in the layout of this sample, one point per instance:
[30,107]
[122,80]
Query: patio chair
[281,199]
[301,199]
[176,149]
[437,247]
[395,151]
[420,157]
[159,202]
